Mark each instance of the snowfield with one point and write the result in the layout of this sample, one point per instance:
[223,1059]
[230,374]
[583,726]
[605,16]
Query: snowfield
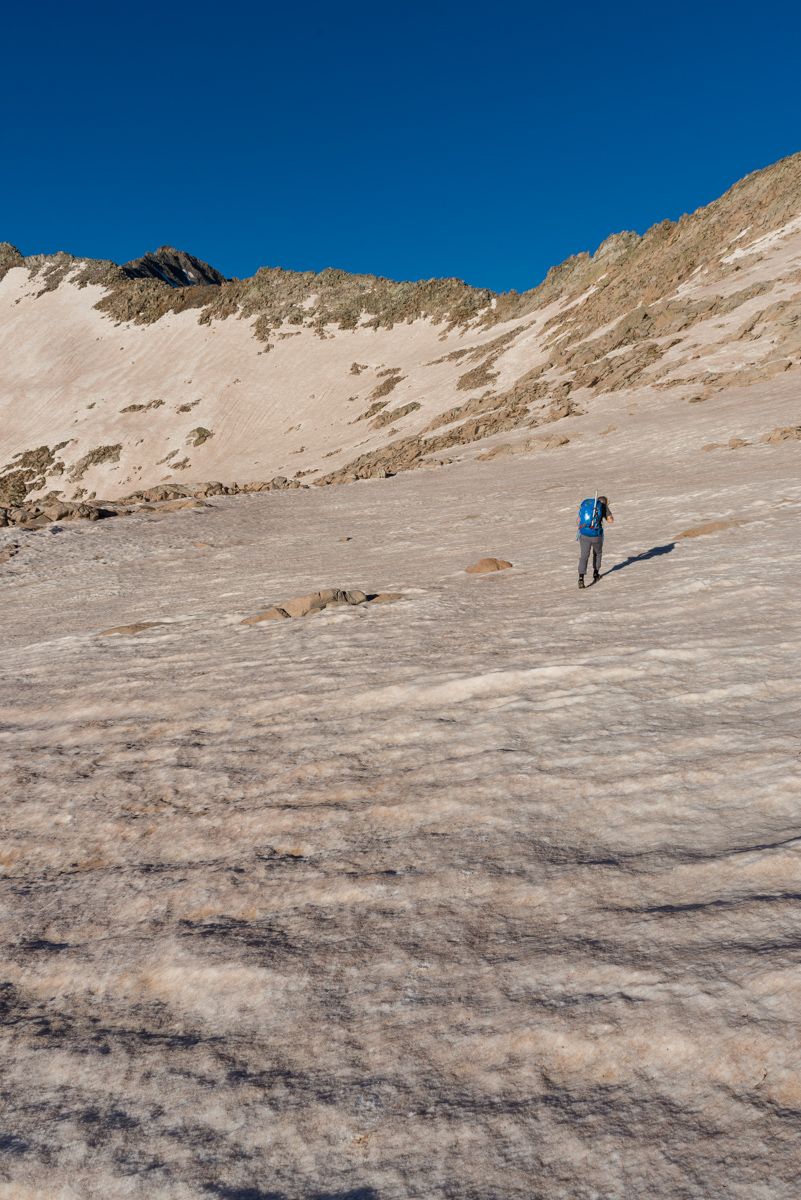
[486,892]
[491,891]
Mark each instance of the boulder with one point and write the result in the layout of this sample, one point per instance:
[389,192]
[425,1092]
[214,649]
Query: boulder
[303,606]
[736,443]
[270,614]
[163,491]
[57,512]
[385,597]
[208,489]
[484,565]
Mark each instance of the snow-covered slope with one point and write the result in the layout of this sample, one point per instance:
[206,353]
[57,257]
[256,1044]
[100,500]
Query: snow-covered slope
[490,891]
[129,382]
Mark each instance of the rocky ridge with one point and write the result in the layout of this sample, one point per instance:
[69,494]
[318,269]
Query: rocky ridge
[617,320]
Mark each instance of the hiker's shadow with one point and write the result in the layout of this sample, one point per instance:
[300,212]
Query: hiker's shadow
[654,552]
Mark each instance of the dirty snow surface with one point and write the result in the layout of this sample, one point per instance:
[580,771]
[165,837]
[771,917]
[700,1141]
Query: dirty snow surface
[491,891]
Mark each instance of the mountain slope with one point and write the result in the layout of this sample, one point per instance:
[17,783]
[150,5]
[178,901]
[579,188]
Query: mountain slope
[113,379]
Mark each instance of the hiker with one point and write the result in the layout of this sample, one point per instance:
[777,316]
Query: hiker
[590,536]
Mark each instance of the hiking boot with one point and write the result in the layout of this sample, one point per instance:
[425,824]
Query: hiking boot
[581,581]
[596,575]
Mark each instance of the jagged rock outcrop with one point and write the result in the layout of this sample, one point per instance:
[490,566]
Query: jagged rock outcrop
[173,267]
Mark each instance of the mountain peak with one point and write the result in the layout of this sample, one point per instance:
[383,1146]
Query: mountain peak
[175,267]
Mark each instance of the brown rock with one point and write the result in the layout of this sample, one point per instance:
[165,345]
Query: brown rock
[712,446]
[173,505]
[736,443]
[270,614]
[331,596]
[484,565]
[57,512]
[710,527]
[301,606]
[209,489]
[789,433]
[164,492]
[385,597]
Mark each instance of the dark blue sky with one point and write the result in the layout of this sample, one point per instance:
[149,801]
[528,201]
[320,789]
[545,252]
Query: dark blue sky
[425,139]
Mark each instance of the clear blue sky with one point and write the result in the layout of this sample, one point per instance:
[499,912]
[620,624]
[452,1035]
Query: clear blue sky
[409,140]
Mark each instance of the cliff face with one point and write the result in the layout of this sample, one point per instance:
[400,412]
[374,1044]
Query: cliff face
[327,377]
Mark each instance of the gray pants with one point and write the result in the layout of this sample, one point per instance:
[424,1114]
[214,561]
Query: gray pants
[596,544]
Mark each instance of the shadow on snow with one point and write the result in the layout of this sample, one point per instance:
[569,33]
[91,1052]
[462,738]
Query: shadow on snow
[654,552]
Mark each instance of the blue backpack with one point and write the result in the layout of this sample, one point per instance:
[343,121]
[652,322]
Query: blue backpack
[590,519]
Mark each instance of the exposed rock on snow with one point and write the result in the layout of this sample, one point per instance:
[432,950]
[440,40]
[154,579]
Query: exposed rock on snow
[270,614]
[788,434]
[709,527]
[303,606]
[484,565]
[27,513]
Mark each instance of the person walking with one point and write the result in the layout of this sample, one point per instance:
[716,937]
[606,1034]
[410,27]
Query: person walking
[592,515]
